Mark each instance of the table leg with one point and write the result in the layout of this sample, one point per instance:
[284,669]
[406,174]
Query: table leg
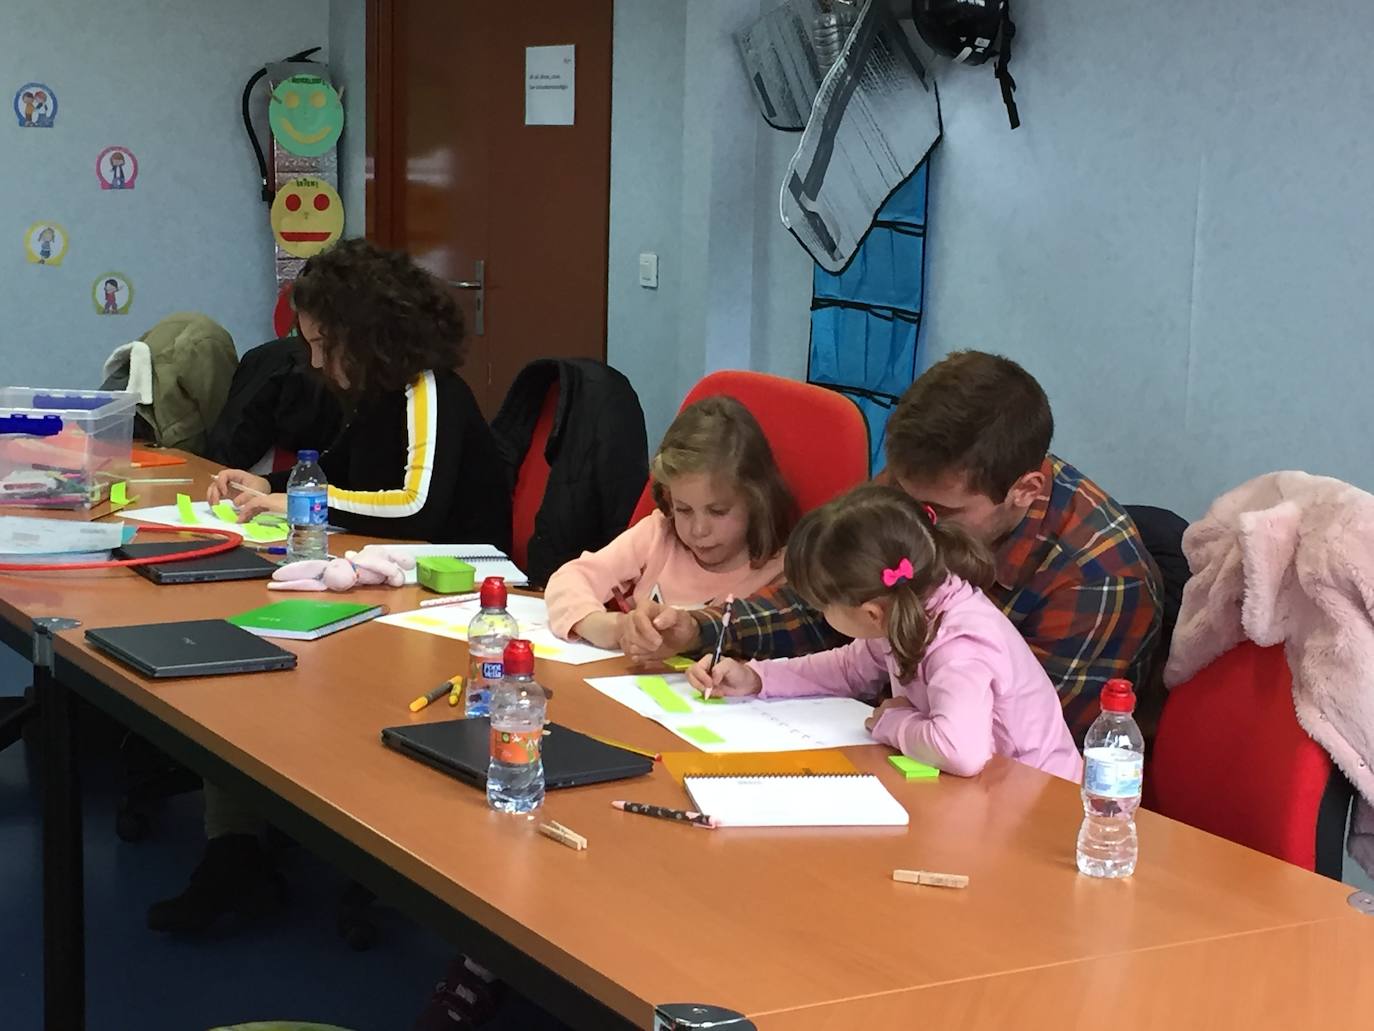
[64,937]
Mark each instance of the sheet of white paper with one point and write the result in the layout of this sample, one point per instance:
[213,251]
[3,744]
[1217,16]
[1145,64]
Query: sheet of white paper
[550,81]
[745,725]
[531,614]
[170,515]
[22,535]
[484,558]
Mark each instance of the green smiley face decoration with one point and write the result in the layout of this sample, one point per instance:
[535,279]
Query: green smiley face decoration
[306,115]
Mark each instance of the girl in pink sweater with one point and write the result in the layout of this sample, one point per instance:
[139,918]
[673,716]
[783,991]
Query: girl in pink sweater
[723,516]
[965,685]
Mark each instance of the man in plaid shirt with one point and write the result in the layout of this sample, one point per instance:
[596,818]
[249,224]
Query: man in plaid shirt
[971,439]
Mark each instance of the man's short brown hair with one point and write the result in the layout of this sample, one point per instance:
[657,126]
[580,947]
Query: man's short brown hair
[973,413]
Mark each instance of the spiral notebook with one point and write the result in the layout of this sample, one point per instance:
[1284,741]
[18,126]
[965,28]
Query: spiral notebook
[818,800]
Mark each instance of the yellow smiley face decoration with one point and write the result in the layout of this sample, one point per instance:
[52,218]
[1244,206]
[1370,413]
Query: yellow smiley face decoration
[307,216]
[306,115]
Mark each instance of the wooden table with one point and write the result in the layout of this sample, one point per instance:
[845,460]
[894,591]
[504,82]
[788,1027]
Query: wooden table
[800,929]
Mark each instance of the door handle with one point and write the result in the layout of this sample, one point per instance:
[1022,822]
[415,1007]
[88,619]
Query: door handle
[478,284]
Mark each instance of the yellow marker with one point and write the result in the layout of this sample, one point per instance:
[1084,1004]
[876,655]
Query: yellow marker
[435,693]
[456,695]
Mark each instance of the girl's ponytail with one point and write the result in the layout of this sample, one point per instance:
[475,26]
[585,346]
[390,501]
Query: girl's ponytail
[961,555]
[909,629]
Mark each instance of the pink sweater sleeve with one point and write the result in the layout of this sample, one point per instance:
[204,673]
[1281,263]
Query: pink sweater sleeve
[583,586]
[857,670]
[956,733]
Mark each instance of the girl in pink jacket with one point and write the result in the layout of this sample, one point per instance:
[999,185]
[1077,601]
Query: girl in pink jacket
[723,515]
[965,685]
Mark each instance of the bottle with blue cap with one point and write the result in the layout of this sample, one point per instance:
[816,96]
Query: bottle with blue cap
[307,509]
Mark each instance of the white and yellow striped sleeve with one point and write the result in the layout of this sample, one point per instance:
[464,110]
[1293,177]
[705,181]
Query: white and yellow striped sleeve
[422,414]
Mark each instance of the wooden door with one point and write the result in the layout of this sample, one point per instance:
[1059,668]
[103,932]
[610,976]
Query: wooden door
[457,178]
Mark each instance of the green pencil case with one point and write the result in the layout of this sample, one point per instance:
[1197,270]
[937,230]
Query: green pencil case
[445,575]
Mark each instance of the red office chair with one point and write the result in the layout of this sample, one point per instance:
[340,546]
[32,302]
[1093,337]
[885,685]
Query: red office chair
[283,315]
[531,479]
[819,437]
[1231,759]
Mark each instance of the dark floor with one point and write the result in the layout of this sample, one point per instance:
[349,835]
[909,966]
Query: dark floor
[295,968]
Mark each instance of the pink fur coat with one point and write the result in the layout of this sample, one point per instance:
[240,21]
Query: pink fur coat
[1288,558]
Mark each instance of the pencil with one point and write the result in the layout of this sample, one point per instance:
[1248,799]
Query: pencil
[720,641]
[434,694]
[664,813]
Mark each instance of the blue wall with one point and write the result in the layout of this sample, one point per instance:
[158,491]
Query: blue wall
[1176,242]
[163,78]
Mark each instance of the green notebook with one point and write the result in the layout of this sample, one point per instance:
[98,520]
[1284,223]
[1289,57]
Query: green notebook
[303,620]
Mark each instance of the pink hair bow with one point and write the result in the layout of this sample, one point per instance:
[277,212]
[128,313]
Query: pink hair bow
[892,577]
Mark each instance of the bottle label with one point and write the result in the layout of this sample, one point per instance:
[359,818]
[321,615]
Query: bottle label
[516,747]
[1113,772]
[493,670]
[307,509]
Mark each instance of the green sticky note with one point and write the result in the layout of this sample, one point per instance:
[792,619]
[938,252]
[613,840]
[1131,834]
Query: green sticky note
[717,700]
[657,688]
[185,512]
[225,512]
[701,735]
[119,495]
[911,769]
[264,534]
[679,663]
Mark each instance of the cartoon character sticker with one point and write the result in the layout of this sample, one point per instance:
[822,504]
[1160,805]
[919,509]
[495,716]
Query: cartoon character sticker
[307,216]
[306,115]
[45,243]
[116,168]
[35,105]
[112,294]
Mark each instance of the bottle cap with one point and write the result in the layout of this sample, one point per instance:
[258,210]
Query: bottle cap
[307,456]
[519,658]
[1117,696]
[494,592]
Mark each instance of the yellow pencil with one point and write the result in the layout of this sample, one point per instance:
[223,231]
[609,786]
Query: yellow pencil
[434,694]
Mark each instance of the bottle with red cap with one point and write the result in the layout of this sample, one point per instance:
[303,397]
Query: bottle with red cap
[488,634]
[1113,769]
[515,778]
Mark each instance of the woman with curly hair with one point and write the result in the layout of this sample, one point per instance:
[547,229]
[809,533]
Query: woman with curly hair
[416,459]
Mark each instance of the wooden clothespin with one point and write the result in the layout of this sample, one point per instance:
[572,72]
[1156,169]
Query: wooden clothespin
[563,835]
[930,878]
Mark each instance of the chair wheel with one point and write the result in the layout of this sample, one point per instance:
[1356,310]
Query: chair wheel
[359,932]
[131,825]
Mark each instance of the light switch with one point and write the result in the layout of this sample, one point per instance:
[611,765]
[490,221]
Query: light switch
[648,271]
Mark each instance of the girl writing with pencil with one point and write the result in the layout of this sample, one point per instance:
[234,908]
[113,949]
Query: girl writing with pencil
[965,685]
[415,459]
[723,515]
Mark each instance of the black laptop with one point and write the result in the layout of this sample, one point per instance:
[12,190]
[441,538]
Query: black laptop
[196,648]
[462,749]
[234,564]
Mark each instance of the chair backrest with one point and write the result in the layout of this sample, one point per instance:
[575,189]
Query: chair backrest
[531,479]
[818,436]
[283,315]
[1231,759]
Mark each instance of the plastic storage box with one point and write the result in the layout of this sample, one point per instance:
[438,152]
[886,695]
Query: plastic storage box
[60,448]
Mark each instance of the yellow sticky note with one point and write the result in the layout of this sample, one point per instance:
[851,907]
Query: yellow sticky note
[679,663]
[264,534]
[185,512]
[701,735]
[119,495]
[657,688]
[225,512]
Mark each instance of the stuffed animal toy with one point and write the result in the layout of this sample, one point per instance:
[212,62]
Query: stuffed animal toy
[374,566]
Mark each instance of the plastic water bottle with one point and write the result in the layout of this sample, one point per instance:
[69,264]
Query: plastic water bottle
[515,778]
[307,509]
[1113,768]
[488,634]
